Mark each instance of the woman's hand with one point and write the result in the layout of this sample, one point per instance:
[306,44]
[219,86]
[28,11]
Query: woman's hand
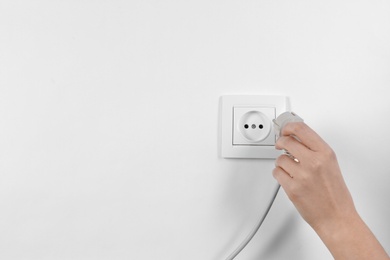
[313,182]
[311,177]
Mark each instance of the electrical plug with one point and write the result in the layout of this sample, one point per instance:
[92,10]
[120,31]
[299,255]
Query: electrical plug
[283,119]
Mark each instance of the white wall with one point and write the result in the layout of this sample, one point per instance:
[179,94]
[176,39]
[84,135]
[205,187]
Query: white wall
[109,123]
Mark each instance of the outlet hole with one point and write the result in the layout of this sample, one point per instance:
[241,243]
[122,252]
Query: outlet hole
[261,126]
[246,126]
[253,126]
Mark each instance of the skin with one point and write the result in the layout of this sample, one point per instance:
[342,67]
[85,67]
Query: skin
[315,185]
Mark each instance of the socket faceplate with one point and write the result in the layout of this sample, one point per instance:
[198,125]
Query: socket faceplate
[253,111]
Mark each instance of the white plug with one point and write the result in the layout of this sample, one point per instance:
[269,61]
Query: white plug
[280,122]
[283,119]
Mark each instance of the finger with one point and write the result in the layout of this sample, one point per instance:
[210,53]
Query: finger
[294,147]
[282,177]
[288,165]
[305,134]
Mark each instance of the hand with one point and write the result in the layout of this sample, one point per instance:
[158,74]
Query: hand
[313,181]
[314,184]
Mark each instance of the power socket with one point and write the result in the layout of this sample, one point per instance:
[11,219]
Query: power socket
[246,125]
[253,126]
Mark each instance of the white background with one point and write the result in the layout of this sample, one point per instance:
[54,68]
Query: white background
[109,123]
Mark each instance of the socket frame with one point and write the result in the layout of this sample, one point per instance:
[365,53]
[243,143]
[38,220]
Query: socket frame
[252,151]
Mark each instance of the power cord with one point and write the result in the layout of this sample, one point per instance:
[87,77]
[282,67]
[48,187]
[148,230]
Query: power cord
[255,229]
[279,123]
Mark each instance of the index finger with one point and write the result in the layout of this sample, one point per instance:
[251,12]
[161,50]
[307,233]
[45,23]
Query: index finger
[305,134]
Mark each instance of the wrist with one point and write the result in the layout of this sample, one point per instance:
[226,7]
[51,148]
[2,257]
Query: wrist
[348,237]
[338,229]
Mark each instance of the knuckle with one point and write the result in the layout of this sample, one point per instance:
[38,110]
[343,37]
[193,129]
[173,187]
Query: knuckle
[275,172]
[282,161]
[279,142]
[316,163]
[284,141]
[322,158]
[278,160]
[329,154]
[298,127]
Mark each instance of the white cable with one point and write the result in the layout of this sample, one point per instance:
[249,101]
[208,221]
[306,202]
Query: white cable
[255,229]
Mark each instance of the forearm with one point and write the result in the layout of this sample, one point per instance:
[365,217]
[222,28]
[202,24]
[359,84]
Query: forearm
[350,238]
